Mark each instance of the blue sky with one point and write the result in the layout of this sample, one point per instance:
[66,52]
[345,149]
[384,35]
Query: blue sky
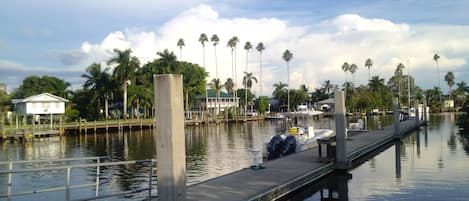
[47,37]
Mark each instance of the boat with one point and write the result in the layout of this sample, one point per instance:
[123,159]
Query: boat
[297,139]
[275,116]
[303,110]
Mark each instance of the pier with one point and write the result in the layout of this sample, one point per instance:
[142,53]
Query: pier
[286,174]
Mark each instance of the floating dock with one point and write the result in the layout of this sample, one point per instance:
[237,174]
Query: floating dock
[284,175]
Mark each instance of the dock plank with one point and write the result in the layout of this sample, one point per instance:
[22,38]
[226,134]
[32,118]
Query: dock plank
[287,173]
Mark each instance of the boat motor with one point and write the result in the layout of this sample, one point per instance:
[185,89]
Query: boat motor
[274,147]
[289,145]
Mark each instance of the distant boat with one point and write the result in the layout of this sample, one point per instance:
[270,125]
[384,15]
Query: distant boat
[303,110]
[275,116]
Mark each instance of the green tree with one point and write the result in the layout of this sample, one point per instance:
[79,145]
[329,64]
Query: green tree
[327,86]
[353,69]
[181,44]
[248,80]
[449,78]
[215,41]
[167,62]
[34,85]
[436,57]
[369,64]
[345,68]
[124,71]
[260,48]
[203,39]
[247,47]
[216,86]
[280,92]
[287,57]
[100,83]
[229,85]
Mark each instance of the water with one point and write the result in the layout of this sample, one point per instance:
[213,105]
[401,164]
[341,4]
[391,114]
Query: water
[433,166]
[217,150]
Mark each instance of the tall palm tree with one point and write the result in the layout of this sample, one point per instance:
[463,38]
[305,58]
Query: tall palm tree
[449,78]
[216,86]
[181,44]
[436,57]
[99,81]
[368,64]
[345,68]
[398,73]
[260,48]
[247,47]
[215,41]
[203,39]
[353,69]
[287,57]
[247,82]
[232,44]
[124,71]
[328,86]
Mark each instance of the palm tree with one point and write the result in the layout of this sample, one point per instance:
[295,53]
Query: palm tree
[247,47]
[345,68]
[436,57]
[260,48]
[99,81]
[353,68]
[202,39]
[215,41]
[368,64]
[216,86]
[376,83]
[398,73]
[232,44]
[288,56]
[124,71]
[247,82]
[181,44]
[167,61]
[229,85]
[449,78]
[328,86]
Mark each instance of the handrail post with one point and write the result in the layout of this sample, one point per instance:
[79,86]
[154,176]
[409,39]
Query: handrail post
[67,184]
[97,176]
[10,182]
[150,179]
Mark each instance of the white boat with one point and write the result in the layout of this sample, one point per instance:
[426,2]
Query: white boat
[303,110]
[295,140]
[276,116]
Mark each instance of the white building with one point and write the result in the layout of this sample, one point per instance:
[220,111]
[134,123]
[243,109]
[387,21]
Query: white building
[224,101]
[40,105]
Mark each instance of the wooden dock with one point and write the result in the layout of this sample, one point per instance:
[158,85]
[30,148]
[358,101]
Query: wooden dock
[286,174]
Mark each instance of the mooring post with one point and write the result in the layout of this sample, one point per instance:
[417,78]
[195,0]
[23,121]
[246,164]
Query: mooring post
[425,109]
[417,116]
[395,112]
[341,160]
[170,140]
[398,158]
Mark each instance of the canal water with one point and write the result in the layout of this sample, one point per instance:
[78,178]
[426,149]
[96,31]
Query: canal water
[431,169]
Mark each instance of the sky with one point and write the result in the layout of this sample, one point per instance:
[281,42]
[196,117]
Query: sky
[62,38]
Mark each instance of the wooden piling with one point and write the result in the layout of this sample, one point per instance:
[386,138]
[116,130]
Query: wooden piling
[396,114]
[341,158]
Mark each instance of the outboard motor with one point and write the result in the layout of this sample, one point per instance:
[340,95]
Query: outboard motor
[289,145]
[274,147]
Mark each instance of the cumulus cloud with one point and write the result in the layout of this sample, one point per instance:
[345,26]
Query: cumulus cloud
[319,49]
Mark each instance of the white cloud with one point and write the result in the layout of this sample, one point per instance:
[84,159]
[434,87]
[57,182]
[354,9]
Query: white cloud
[318,49]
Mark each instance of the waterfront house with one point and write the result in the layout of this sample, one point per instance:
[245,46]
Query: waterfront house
[225,100]
[39,106]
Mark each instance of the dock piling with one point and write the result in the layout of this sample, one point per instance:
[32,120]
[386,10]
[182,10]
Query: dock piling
[341,159]
[396,119]
[170,137]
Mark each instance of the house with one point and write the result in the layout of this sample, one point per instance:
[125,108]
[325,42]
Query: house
[224,101]
[41,105]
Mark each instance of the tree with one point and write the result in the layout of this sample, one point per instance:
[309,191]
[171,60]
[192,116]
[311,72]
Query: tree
[203,39]
[247,47]
[288,56]
[99,82]
[167,62]
[181,44]
[436,57]
[229,86]
[353,68]
[216,86]
[328,86]
[280,92]
[368,64]
[215,41]
[232,44]
[398,73]
[124,71]
[260,48]
[345,68]
[449,78]
[248,79]
[34,85]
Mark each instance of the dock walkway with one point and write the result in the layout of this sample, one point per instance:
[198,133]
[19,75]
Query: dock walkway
[286,174]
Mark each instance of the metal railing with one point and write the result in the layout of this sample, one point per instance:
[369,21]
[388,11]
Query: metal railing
[68,187]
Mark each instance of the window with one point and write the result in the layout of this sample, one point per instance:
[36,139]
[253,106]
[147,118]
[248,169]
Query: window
[56,104]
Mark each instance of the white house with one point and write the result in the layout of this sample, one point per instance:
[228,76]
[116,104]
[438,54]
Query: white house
[45,104]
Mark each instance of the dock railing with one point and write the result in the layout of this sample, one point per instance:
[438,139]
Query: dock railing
[68,187]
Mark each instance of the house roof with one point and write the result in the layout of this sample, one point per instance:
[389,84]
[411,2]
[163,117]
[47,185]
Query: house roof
[211,94]
[327,101]
[44,97]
